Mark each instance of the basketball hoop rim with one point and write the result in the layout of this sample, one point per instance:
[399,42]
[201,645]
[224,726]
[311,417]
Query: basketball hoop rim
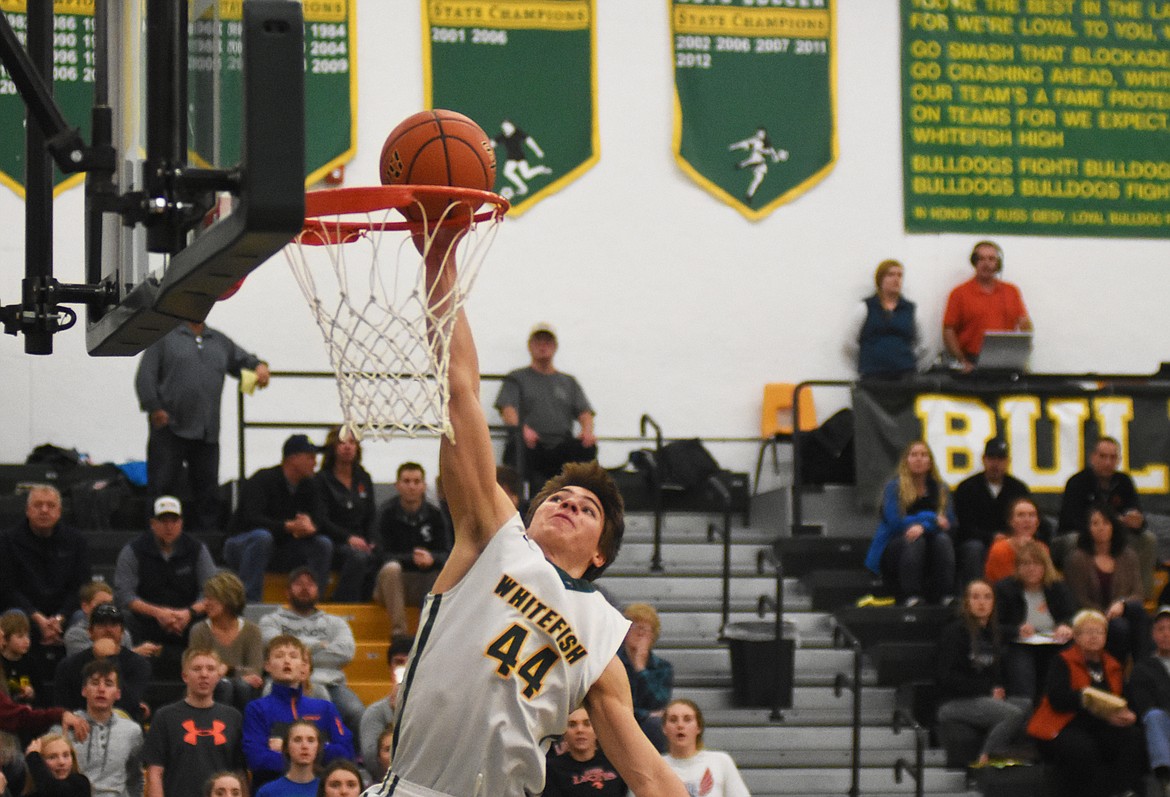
[325,209]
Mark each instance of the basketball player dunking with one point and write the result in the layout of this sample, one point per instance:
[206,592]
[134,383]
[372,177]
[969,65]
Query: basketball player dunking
[513,637]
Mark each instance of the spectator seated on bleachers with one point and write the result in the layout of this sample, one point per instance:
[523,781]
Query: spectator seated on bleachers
[378,718]
[970,677]
[911,548]
[301,746]
[91,595]
[111,756]
[52,769]
[347,513]
[158,583]
[1103,484]
[26,722]
[327,638]
[1023,526]
[1035,609]
[1149,690]
[702,771]
[1103,574]
[982,501]
[577,767]
[22,676]
[43,563]
[105,629]
[285,660]
[1094,751]
[277,521]
[195,738]
[237,640]
[414,544]
[651,676]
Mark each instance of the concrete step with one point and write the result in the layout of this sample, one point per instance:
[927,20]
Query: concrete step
[688,527]
[690,628]
[762,782]
[675,592]
[687,557]
[693,661]
[722,679]
[874,699]
[827,757]
[779,736]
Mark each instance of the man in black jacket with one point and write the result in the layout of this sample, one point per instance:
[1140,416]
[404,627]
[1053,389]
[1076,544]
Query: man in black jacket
[43,564]
[277,522]
[106,624]
[981,504]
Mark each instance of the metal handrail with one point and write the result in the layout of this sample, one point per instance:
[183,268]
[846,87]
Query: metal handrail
[725,496]
[903,719]
[842,682]
[656,490]
[777,605]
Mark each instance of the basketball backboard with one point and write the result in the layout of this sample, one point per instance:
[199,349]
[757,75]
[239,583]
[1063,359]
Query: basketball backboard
[207,105]
[206,176]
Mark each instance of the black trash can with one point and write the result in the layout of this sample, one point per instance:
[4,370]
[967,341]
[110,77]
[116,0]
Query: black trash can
[761,665]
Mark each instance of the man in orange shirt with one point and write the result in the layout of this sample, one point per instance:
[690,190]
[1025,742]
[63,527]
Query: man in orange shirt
[984,303]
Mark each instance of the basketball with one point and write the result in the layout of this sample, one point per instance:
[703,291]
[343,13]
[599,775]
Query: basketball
[438,147]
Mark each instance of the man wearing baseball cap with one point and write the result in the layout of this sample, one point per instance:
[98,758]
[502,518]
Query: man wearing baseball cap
[1149,686]
[542,404]
[106,623]
[981,505]
[275,525]
[158,582]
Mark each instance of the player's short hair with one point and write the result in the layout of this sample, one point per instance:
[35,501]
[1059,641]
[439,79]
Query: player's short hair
[226,587]
[15,623]
[191,653]
[241,779]
[100,667]
[883,268]
[596,480]
[644,613]
[90,590]
[285,641]
[405,466]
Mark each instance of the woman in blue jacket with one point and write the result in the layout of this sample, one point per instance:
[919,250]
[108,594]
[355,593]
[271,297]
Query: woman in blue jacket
[911,549]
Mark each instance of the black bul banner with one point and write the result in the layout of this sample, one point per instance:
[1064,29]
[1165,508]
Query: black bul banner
[1050,432]
[755,98]
[525,70]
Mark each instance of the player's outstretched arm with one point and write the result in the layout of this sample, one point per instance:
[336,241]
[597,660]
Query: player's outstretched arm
[611,710]
[467,466]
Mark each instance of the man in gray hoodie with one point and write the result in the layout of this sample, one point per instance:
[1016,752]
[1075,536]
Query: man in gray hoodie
[327,636]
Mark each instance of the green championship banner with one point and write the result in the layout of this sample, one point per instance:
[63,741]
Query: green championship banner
[526,71]
[1036,117]
[330,84]
[755,97]
[1050,431]
[215,89]
[73,75]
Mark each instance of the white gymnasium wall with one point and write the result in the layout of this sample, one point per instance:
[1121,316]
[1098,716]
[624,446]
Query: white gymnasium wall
[666,301]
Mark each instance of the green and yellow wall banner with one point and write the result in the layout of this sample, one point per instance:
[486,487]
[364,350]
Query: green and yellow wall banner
[1044,117]
[755,97]
[526,71]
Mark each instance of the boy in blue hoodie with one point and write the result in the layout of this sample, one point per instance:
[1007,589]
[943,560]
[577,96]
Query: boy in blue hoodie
[265,719]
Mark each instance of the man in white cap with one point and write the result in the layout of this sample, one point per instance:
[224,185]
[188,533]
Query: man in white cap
[542,404]
[158,582]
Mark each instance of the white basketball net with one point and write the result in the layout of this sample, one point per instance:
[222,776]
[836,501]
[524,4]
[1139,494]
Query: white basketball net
[367,291]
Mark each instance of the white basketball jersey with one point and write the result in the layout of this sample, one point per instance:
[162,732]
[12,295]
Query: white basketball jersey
[500,661]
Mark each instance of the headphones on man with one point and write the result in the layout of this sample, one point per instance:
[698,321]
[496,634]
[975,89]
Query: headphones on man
[998,253]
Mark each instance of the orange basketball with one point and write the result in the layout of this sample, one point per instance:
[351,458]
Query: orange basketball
[438,147]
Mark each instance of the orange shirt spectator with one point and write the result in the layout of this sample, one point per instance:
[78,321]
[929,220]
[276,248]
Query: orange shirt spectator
[1001,559]
[982,304]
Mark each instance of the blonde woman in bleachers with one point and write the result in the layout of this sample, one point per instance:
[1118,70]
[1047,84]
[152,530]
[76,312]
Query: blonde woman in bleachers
[912,550]
[236,639]
[707,772]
